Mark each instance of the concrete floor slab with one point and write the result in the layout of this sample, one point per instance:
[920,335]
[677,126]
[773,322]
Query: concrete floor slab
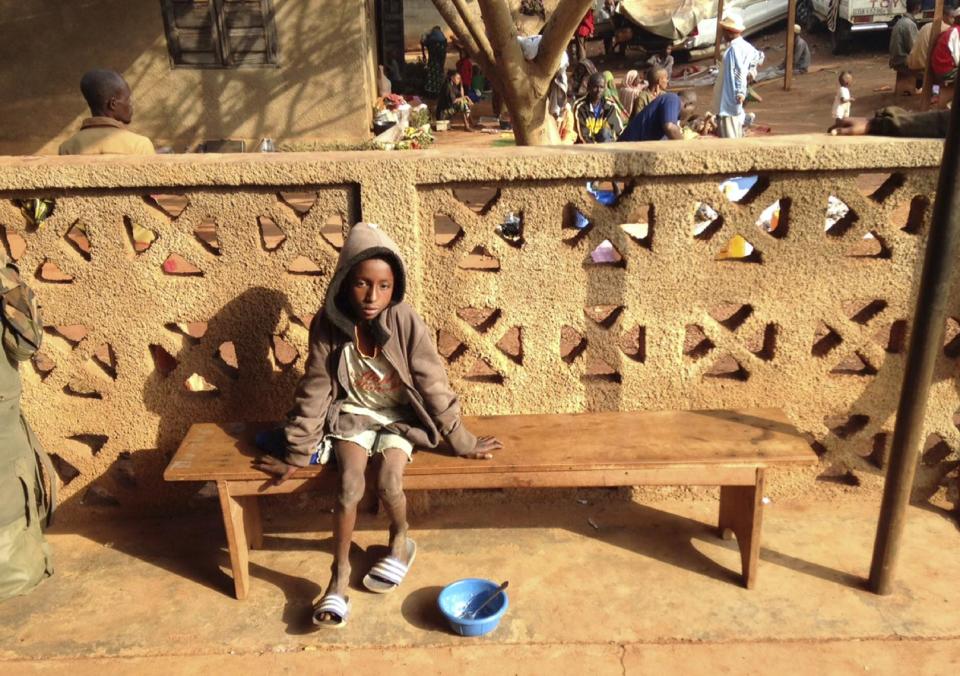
[650,584]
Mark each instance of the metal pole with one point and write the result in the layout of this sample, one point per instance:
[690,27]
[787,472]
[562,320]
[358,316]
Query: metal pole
[791,40]
[926,341]
[927,70]
[719,32]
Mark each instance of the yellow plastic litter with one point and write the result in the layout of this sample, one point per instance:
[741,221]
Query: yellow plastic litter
[737,247]
[142,237]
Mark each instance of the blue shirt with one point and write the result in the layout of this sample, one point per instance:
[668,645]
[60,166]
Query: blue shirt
[650,124]
[738,60]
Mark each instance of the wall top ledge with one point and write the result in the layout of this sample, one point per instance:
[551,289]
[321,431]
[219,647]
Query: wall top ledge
[813,152]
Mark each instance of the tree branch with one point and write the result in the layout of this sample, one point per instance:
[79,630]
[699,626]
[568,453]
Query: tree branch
[457,24]
[476,31]
[502,34]
[557,34]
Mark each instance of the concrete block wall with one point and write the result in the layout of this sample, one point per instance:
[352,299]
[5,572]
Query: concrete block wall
[242,247]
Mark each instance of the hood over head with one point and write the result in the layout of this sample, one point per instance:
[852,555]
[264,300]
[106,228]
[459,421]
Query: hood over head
[364,241]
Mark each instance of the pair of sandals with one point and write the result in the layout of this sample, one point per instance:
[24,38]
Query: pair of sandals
[385,576]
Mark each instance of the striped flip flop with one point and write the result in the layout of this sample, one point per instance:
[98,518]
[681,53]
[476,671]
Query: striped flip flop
[332,604]
[387,573]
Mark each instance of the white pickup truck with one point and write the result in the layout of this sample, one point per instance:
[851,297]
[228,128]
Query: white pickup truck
[845,18]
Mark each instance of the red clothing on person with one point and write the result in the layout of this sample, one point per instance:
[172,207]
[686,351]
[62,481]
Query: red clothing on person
[465,68]
[585,29]
[942,58]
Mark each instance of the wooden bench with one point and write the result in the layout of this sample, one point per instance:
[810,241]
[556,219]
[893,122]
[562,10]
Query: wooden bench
[730,449]
[905,83]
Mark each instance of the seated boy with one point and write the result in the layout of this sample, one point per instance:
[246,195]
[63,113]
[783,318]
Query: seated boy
[373,385]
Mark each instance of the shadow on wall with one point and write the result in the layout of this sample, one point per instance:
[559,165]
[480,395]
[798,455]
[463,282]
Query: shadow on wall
[245,384]
[317,92]
[238,341]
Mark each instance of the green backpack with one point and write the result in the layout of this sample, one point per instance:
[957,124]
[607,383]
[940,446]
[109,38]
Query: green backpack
[27,482]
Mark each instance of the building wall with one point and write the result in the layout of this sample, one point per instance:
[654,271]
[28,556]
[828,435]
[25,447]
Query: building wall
[813,322]
[320,91]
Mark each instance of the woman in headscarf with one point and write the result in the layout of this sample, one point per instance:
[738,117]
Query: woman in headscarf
[433,47]
[610,92]
[631,88]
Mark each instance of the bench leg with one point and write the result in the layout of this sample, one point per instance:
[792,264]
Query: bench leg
[234,525]
[251,520]
[741,515]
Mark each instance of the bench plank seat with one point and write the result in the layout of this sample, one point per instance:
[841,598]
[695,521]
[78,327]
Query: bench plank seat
[730,449]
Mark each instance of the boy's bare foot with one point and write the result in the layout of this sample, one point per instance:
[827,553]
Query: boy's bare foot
[339,584]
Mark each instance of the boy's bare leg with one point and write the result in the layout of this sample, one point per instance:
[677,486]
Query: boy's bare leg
[390,488]
[352,460]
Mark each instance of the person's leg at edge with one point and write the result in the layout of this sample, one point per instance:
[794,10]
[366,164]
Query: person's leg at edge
[352,460]
[390,489]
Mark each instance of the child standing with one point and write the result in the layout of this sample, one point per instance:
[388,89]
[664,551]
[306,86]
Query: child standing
[841,102]
[373,386]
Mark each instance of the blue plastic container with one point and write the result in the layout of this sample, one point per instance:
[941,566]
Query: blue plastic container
[458,596]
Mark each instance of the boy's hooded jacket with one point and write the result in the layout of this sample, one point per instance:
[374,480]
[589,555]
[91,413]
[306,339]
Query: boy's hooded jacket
[407,343]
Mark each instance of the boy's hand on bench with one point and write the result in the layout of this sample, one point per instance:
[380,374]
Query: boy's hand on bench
[484,449]
[280,470]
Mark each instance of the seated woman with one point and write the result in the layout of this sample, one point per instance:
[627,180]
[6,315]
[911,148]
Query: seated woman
[453,101]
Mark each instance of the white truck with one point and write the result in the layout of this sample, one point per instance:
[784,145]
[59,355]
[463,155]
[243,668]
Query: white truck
[846,18]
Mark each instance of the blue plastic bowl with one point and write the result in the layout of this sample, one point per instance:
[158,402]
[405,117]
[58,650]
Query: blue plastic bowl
[457,596]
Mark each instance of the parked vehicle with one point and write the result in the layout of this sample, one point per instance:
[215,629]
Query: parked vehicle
[690,25]
[757,15]
[847,18]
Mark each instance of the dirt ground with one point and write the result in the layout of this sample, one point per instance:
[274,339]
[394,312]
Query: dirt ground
[805,109]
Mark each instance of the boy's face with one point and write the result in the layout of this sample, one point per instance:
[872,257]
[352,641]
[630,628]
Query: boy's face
[370,288]
[847,80]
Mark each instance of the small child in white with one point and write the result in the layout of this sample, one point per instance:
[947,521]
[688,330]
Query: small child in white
[842,101]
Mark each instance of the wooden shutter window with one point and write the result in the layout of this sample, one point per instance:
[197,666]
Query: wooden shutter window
[220,33]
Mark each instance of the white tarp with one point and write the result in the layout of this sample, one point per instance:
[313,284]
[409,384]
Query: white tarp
[676,19]
[672,19]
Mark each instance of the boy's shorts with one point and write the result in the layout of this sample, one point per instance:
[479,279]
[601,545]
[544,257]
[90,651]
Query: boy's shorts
[375,441]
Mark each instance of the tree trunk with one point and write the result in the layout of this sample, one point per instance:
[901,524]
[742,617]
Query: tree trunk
[491,41]
[532,125]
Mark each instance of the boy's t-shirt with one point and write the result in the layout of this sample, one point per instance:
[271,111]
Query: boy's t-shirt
[841,103]
[374,387]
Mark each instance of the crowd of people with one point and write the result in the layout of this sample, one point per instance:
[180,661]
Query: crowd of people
[911,50]
[646,109]
[592,107]
[589,106]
